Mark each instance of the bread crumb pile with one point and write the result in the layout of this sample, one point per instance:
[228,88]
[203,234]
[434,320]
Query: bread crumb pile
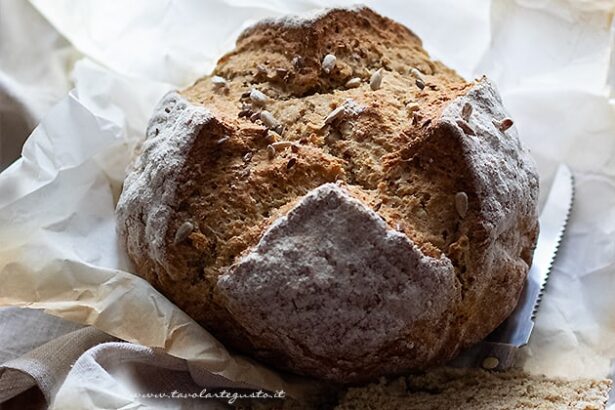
[476,389]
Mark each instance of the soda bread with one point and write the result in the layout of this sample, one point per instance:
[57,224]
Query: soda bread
[333,202]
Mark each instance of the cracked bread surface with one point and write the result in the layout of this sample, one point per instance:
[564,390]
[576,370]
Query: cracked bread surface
[228,210]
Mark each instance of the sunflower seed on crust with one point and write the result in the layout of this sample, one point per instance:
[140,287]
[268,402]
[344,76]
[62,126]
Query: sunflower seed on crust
[258,97]
[466,111]
[282,145]
[465,127]
[328,63]
[412,107]
[375,81]
[461,203]
[353,82]
[503,124]
[183,232]
[335,114]
[297,61]
[291,163]
[218,81]
[416,73]
[270,151]
[223,140]
[268,119]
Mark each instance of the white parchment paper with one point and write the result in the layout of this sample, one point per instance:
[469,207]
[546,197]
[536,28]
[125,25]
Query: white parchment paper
[58,247]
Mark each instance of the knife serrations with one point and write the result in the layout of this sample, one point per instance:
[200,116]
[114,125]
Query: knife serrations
[570,178]
[498,351]
[517,328]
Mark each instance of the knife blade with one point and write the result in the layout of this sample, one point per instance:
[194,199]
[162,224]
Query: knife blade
[498,350]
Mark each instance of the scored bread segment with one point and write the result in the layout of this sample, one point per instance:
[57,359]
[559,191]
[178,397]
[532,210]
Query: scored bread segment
[330,281]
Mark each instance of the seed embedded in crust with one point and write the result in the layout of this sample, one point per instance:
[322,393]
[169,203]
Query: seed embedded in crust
[328,63]
[218,81]
[419,79]
[183,232]
[465,127]
[466,111]
[335,114]
[412,107]
[375,82]
[258,97]
[267,118]
[297,62]
[503,124]
[291,163]
[223,140]
[270,151]
[280,145]
[353,82]
[490,363]
[416,73]
[461,203]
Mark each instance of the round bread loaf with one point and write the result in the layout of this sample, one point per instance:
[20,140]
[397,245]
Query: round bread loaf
[333,202]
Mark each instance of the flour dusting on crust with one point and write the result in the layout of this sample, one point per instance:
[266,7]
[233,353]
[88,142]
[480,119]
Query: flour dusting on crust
[149,189]
[332,280]
[298,20]
[501,166]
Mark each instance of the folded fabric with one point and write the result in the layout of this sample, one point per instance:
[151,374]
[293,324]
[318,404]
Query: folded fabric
[46,366]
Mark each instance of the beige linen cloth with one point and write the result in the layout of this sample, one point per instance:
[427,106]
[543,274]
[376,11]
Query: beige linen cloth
[36,352]
[39,353]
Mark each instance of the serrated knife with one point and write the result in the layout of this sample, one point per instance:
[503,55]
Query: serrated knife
[498,351]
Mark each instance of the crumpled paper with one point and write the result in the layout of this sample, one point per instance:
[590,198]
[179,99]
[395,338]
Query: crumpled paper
[28,90]
[58,246]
